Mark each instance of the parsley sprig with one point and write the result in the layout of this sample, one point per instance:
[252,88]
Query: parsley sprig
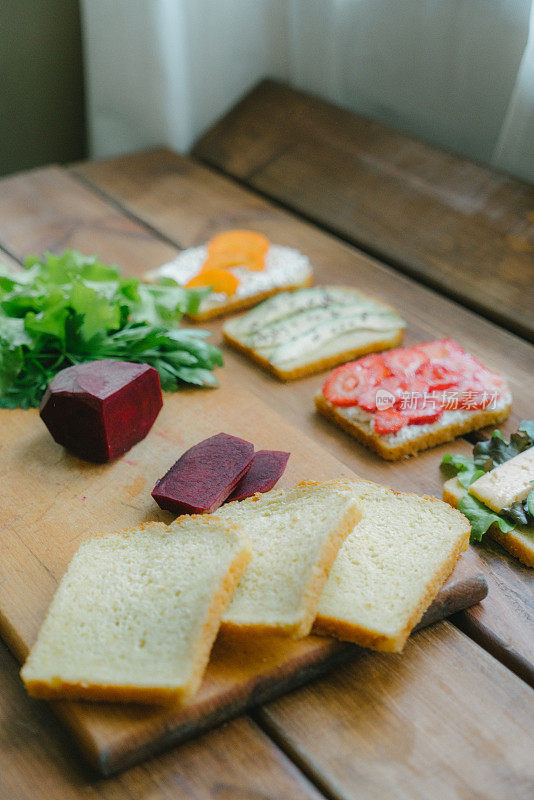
[67,309]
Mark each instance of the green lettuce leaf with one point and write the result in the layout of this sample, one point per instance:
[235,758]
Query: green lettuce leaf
[462,466]
[481,517]
[496,450]
[486,456]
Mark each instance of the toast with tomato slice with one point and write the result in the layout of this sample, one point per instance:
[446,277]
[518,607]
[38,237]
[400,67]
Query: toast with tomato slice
[413,398]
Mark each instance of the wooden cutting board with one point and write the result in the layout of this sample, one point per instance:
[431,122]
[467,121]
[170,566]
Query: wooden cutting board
[52,501]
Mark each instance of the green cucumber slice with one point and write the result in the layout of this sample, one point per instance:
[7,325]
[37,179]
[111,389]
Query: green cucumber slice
[285,304]
[319,335]
[296,325]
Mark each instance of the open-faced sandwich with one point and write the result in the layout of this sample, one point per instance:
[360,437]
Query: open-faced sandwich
[495,490]
[241,267]
[298,333]
[413,398]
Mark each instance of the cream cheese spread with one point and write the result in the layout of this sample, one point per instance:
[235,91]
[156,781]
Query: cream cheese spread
[284,267]
[409,432]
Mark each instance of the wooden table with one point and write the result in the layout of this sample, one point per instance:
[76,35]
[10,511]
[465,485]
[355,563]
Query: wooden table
[450,717]
[454,225]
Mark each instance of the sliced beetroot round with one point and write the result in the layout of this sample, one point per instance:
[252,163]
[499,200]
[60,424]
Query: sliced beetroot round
[265,471]
[205,475]
[100,409]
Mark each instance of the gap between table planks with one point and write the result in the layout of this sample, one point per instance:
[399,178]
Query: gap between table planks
[54,501]
[187,203]
[66,227]
[53,209]
[453,224]
[401,728]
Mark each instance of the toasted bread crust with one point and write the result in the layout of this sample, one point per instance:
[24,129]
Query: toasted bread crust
[314,366]
[509,540]
[110,693]
[233,306]
[374,441]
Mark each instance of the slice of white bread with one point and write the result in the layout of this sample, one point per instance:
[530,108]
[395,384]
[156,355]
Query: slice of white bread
[519,542]
[412,438]
[136,613]
[295,536]
[390,568]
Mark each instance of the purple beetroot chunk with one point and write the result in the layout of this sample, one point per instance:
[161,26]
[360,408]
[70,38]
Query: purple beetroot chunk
[265,471]
[204,476]
[100,409]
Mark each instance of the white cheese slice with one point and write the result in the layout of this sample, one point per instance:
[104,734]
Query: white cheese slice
[507,483]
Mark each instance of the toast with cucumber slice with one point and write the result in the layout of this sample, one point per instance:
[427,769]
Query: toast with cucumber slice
[295,334]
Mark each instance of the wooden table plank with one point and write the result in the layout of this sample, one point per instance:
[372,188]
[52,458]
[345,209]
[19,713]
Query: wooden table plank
[442,720]
[61,218]
[454,224]
[187,203]
[38,762]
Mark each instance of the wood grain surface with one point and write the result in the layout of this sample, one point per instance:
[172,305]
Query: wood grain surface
[38,762]
[371,730]
[453,224]
[54,501]
[186,203]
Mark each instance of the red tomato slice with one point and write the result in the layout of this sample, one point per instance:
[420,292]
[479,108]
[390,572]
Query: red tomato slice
[341,385]
[353,383]
[389,421]
[405,361]
[439,376]
[441,348]
[423,414]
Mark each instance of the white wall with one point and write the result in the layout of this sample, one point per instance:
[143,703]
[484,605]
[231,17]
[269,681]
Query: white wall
[455,72]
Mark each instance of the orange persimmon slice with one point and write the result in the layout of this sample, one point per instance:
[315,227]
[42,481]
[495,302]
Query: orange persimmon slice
[232,241]
[252,261]
[237,249]
[220,280]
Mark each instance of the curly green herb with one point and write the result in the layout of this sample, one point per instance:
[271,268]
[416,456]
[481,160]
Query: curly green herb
[63,310]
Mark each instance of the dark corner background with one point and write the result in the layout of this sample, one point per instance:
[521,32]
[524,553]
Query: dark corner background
[41,84]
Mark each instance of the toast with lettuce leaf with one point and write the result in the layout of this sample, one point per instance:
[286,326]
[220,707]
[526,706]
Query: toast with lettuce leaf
[495,490]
